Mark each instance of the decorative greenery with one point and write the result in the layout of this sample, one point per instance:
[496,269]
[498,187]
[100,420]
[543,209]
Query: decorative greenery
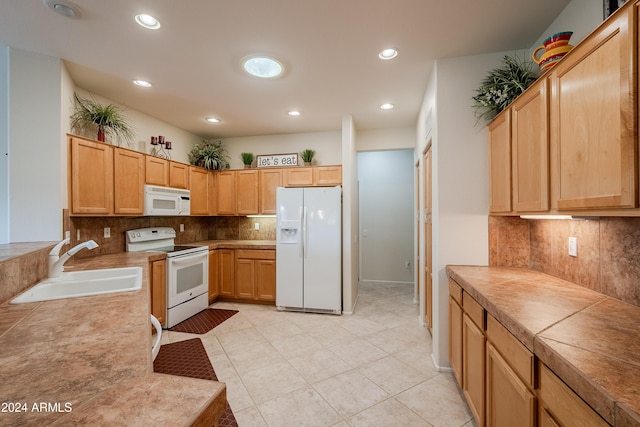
[247,158]
[107,120]
[502,85]
[307,155]
[209,155]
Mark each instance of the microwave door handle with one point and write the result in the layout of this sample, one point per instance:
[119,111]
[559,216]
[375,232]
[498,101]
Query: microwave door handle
[184,260]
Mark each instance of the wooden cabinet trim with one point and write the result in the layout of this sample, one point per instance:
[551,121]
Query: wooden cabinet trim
[455,291]
[256,253]
[518,356]
[473,310]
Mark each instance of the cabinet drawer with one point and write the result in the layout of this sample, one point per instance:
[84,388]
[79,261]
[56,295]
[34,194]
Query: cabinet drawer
[255,254]
[455,291]
[473,310]
[561,404]
[513,351]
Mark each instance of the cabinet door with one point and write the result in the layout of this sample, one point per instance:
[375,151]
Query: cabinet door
[199,181]
[156,171]
[594,119]
[91,177]
[214,275]
[509,401]
[270,179]
[266,280]
[245,279]
[530,144]
[247,192]
[159,290]
[178,175]
[213,192]
[327,176]
[500,163]
[226,192]
[298,177]
[455,339]
[129,177]
[473,368]
[227,273]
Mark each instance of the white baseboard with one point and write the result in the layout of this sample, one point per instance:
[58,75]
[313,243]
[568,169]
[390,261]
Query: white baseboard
[440,368]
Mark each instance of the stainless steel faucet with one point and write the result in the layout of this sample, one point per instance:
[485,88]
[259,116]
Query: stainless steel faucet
[56,262]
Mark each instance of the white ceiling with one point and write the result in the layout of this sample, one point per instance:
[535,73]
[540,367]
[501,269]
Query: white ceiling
[329,49]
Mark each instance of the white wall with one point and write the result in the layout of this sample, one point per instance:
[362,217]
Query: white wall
[386,139]
[145,127]
[386,198]
[327,146]
[349,217]
[4,144]
[35,163]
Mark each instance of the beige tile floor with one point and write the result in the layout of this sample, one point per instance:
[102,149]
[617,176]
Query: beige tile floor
[372,368]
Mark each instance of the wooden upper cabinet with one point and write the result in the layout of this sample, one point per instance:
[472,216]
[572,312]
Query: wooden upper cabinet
[199,183]
[270,179]
[178,175]
[129,178]
[500,163]
[226,192]
[212,189]
[298,177]
[530,149]
[247,192]
[91,179]
[327,175]
[594,119]
[156,171]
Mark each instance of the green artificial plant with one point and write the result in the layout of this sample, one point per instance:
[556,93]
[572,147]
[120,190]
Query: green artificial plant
[107,120]
[209,155]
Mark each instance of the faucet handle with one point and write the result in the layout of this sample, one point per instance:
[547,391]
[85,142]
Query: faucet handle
[56,249]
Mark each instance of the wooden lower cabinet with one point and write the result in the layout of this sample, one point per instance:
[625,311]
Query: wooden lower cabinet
[245,279]
[159,290]
[473,367]
[256,274]
[214,275]
[509,401]
[558,405]
[266,279]
[455,330]
[227,274]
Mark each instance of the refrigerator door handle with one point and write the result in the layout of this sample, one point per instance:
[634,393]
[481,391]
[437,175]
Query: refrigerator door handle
[304,232]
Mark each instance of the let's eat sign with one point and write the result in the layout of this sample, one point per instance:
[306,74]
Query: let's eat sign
[277,160]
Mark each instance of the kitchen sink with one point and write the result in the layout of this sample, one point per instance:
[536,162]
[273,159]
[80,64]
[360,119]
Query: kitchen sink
[83,283]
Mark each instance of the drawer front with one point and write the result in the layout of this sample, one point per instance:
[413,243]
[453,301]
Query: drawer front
[512,350]
[473,310]
[455,291]
[255,254]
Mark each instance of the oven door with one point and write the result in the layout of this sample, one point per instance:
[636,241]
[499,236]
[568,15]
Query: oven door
[188,277]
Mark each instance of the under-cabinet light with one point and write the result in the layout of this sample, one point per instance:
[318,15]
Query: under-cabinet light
[261,216]
[545,216]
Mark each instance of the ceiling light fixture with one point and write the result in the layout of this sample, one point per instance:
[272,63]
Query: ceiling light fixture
[147,21]
[386,106]
[63,8]
[212,120]
[388,54]
[142,83]
[294,113]
[263,67]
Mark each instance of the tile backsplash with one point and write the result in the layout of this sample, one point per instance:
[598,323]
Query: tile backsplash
[195,229]
[608,258]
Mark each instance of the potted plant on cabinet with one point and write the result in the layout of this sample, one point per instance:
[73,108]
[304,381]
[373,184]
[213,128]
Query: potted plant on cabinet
[307,156]
[247,159]
[209,155]
[107,120]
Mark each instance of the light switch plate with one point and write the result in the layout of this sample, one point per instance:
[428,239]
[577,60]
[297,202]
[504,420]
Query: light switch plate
[256,226]
[573,246]
[107,232]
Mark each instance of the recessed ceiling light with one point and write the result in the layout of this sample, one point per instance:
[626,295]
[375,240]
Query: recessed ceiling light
[386,106]
[294,113]
[63,8]
[212,120]
[388,54]
[147,21]
[142,83]
[263,67]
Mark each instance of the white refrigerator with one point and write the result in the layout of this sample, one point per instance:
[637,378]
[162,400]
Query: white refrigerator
[309,249]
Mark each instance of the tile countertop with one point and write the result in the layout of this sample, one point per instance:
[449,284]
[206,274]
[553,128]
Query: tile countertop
[237,244]
[591,341]
[89,361]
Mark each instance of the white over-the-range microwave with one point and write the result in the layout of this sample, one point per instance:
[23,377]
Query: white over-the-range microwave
[166,201]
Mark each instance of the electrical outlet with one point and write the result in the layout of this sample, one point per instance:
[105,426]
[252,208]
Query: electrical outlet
[67,234]
[107,232]
[182,228]
[78,234]
[256,226]
[573,246]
